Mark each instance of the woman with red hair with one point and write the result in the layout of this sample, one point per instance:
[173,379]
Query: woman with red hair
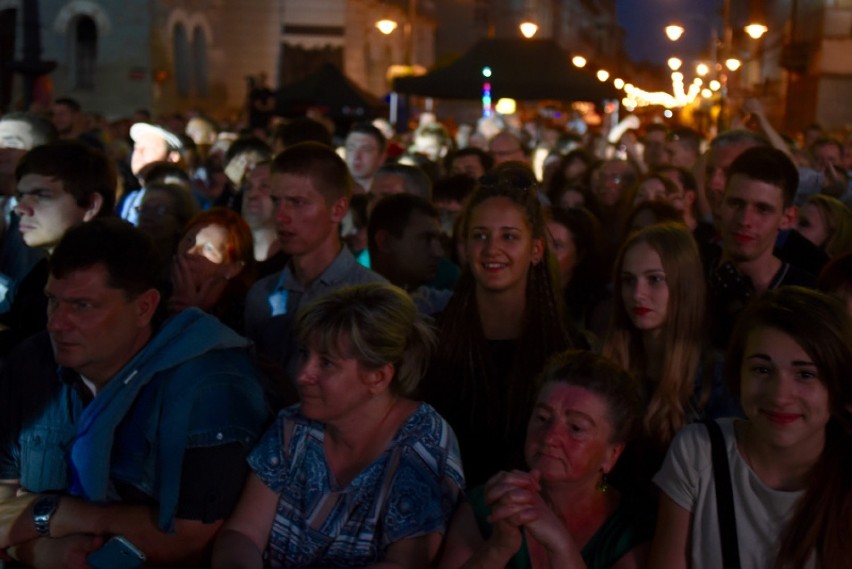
[214,266]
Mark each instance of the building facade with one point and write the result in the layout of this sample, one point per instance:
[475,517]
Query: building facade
[116,56]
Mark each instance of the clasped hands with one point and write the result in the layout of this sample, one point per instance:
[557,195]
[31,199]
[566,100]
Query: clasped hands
[516,502]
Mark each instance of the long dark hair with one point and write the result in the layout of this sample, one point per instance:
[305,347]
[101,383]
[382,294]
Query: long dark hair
[822,327]
[462,367]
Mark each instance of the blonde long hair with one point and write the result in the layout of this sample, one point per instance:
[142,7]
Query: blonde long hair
[671,400]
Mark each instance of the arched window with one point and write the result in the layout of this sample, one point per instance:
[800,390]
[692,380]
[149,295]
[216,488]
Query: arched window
[182,66]
[85,52]
[199,62]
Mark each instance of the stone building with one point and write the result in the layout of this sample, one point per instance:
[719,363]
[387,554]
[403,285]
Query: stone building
[115,56]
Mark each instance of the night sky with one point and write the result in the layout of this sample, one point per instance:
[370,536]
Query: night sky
[644,22]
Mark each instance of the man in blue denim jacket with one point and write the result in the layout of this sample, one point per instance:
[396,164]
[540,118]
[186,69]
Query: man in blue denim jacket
[145,431]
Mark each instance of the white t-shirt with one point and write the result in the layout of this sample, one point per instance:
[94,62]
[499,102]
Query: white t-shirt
[761,512]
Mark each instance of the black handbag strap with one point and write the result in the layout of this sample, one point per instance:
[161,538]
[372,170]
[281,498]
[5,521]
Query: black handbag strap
[724,497]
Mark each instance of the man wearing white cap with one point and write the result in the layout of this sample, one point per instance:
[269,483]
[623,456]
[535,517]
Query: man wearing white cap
[151,143]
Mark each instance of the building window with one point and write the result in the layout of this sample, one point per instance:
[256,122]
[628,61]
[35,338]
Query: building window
[85,52]
[181,54]
[199,62]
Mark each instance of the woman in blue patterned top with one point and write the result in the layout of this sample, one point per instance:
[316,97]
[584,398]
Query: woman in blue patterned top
[357,474]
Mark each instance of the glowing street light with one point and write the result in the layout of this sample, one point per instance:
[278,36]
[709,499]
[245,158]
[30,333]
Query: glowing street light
[603,75]
[506,106]
[674,63]
[528,29]
[702,69]
[386,26]
[715,85]
[618,83]
[578,61]
[674,32]
[706,93]
[733,64]
[756,31]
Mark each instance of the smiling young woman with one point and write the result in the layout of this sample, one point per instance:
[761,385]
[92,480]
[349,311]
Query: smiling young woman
[788,462]
[502,324]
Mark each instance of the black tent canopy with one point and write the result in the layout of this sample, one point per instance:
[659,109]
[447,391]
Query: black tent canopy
[520,68]
[329,88]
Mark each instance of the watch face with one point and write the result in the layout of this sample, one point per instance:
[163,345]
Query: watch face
[42,510]
[45,506]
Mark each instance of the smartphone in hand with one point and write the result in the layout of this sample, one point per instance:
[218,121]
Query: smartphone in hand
[117,553]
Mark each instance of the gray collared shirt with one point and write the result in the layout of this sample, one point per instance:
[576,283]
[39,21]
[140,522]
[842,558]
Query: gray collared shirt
[273,301]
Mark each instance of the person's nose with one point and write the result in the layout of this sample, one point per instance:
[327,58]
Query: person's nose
[637,290]
[550,433]
[57,317]
[745,217]
[307,371]
[24,206]
[282,214]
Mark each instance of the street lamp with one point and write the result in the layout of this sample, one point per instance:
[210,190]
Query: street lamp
[674,31]
[603,75]
[579,61]
[733,63]
[702,69]
[674,63]
[386,26]
[528,29]
[756,31]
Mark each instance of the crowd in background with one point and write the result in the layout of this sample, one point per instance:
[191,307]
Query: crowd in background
[486,346]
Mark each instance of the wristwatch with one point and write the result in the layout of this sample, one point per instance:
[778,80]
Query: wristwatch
[43,508]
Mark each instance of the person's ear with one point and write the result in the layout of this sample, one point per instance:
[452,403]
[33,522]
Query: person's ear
[96,201]
[613,452]
[537,251]
[339,207]
[382,238]
[378,380]
[146,306]
[789,217]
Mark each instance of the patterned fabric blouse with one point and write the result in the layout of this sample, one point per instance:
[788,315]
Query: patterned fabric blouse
[408,491]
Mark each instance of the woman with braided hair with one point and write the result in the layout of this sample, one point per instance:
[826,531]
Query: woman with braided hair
[501,326]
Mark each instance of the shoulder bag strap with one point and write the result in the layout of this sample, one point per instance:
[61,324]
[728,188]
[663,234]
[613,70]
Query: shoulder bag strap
[724,497]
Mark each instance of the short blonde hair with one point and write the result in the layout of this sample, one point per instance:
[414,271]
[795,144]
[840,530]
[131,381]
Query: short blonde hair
[377,324]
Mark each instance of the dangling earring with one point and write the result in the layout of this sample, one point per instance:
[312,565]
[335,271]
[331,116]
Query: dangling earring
[602,485]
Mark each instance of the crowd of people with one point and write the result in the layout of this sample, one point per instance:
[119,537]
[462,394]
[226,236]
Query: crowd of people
[509,345]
